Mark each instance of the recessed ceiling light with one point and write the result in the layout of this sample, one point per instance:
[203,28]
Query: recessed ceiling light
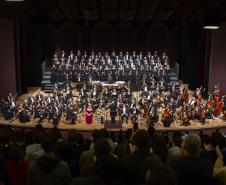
[211,27]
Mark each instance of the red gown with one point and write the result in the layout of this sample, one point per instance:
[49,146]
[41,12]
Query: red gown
[89,116]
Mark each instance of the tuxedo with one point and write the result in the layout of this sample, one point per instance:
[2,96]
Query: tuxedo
[124,112]
[113,112]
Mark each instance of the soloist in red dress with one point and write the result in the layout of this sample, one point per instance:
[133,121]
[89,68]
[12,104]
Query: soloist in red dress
[89,116]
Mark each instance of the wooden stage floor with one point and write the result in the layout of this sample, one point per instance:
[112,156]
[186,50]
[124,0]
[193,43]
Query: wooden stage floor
[80,124]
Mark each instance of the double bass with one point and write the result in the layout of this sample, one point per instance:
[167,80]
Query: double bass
[185,95]
[224,115]
[146,109]
[218,109]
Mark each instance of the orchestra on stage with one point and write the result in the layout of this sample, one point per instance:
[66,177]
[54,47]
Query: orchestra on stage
[115,89]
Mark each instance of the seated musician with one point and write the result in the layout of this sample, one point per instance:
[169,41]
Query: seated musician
[167,117]
[23,116]
[8,111]
[105,92]
[150,96]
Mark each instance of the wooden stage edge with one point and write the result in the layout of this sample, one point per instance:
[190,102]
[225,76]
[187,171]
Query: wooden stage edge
[212,124]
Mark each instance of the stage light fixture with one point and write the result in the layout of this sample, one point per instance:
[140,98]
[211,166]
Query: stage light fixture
[211,23]
[211,27]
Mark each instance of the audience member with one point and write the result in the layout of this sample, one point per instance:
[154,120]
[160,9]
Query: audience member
[132,158]
[34,151]
[175,150]
[16,167]
[47,169]
[162,175]
[159,147]
[151,163]
[209,152]
[219,168]
[190,168]
[106,166]
[132,165]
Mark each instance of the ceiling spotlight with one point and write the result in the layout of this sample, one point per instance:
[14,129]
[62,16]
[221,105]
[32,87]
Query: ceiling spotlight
[211,23]
[211,27]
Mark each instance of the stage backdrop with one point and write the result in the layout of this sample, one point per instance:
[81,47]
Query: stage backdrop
[7,57]
[217,72]
[180,41]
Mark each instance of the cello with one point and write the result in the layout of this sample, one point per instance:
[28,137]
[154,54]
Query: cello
[166,117]
[218,109]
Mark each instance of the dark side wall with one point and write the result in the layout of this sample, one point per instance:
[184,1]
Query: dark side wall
[217,73]
[36,44]
[7,57]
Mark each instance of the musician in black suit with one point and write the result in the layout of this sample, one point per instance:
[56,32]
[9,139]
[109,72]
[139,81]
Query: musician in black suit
[23,116]
[113,112]
[124,113]
[134,111]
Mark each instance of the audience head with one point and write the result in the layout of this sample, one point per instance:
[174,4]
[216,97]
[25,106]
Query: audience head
[163,175]
[16,153]
[177,139]
[18,136]
[107,169]
[48,144]
[218,139]
[191,145]
[159,146]
[37,138]
[141,141]
[128,134]
[64,151]
[100,134]
[75,137]
[151,131]
[151,163]
[39,127]
[102,147]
